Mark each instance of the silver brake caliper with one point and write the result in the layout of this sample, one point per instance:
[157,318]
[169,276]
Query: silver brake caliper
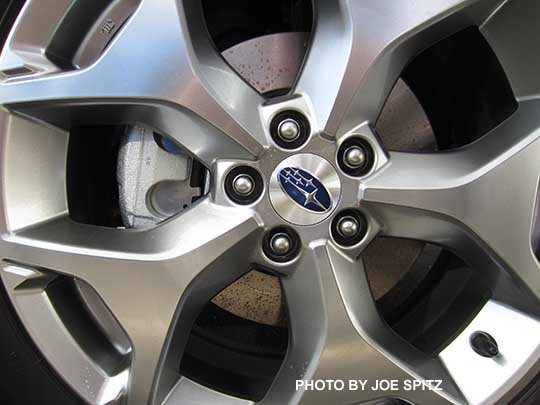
[154,184]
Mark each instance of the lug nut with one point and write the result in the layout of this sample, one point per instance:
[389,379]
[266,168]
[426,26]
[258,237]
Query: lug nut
[280,244]
[348,227]
[243,184]
[484,344]
[355,157]
[288,130]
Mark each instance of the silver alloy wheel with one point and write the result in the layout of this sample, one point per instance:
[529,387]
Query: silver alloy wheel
[480,200]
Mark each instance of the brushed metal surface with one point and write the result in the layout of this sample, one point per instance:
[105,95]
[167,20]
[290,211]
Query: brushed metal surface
[479,200]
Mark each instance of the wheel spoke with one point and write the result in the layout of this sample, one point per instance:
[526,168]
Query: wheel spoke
[376,40]
[186,90]
[337,334]
[511,32]
[486,191]
[142,276]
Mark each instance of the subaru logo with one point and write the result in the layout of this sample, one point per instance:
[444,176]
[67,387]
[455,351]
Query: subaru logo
[305,189]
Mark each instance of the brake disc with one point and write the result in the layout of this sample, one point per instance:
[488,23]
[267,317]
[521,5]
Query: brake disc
[155,183]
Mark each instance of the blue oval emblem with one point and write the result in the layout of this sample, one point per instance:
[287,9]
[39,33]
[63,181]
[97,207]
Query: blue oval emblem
[304,189]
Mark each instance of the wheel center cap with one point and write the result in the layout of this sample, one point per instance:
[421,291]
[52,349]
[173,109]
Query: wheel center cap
[304,189]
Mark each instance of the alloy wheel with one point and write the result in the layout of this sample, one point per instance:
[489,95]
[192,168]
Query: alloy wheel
[299,185]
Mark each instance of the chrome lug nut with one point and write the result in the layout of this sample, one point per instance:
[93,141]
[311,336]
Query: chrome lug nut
[281,244]
[348,227]
[289,130]
[243,184]
[355,157]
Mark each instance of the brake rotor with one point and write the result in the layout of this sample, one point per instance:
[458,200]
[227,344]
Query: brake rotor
[269,63]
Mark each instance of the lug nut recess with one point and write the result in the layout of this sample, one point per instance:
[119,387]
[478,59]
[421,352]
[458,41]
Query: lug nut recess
[356,157]
[349,227]
[290,129]
[244,185]
[281,244]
